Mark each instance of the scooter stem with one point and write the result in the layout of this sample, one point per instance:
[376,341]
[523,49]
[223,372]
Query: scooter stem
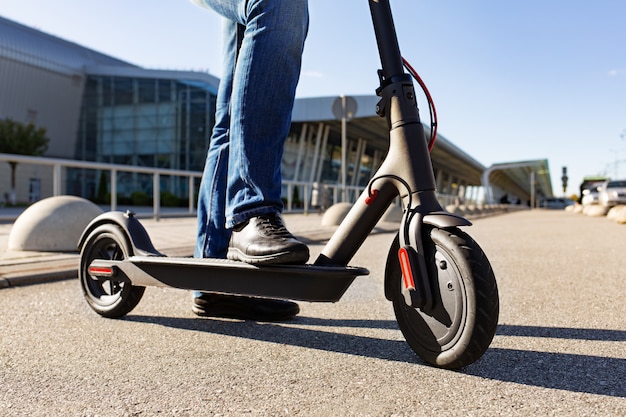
[408,148]
[407,170]
[386,38]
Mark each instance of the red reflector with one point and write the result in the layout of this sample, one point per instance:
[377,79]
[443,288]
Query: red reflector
[370,198]
[100,270]
[405,266]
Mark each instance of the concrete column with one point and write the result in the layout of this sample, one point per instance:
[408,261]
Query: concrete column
[358,156]
[303,135]
[316,152]
[320,165]
[439,179]
[378,158]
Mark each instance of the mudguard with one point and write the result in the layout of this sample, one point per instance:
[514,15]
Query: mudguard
[443,219]
[409,237]
[136,234]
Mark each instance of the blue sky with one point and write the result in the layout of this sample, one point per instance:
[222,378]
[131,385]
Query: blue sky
[511,81]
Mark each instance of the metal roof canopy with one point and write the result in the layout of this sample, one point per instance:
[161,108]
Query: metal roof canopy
[519,178]
[366,124]
[444,156]
[513,178]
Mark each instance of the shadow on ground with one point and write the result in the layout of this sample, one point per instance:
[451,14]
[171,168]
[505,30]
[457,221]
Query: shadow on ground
[570,372]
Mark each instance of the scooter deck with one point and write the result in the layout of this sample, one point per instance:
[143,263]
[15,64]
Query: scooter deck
[296,282]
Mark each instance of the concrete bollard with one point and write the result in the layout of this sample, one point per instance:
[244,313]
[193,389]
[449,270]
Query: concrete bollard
[335,214]
[618,214]
[595,210]
[52,225]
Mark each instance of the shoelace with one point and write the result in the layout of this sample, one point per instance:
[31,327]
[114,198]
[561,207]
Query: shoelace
[273,225]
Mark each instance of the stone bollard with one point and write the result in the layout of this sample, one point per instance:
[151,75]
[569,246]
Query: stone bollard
[595,210]
[618,214]
[335,214]
[52,225]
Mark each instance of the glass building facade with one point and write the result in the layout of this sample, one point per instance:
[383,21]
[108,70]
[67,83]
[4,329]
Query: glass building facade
[151,122]
[96,107]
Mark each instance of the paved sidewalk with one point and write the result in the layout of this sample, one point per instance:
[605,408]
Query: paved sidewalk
[559,349]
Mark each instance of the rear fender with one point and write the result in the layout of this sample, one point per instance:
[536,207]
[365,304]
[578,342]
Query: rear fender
[135,232]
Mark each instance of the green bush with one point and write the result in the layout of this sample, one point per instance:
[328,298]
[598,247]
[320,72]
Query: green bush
[139,198]
[128,201]
[296,198]
[103,196]
[169,200]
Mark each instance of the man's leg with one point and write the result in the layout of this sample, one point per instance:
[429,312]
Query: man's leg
[255,100]
[264,86]
[213,235]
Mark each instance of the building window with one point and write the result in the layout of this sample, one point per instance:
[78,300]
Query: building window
[146,122]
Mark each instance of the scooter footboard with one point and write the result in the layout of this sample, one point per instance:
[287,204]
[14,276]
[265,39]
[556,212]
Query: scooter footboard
[296,282]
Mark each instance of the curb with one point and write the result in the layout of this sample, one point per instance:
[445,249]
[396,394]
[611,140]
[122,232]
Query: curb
[37,278]
[28,271]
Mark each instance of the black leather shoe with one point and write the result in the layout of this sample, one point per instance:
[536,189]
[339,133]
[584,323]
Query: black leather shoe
[265,240]
[244,308]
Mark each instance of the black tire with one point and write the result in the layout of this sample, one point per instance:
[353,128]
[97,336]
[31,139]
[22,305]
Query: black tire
[462,323]
[109,298]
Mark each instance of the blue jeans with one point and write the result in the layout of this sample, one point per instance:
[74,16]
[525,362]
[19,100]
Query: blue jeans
[263,43]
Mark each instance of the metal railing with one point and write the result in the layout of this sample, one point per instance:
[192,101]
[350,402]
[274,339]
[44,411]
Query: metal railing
[58,165]
[323,194]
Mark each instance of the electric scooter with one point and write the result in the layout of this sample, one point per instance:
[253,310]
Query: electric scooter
[441,284]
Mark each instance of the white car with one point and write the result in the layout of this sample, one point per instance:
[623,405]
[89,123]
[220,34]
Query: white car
[612,193]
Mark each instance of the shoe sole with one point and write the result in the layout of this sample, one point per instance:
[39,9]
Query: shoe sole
[268,318]
[288,257]
[248,308]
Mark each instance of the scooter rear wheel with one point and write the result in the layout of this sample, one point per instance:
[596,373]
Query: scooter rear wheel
[462,323]
[109,298]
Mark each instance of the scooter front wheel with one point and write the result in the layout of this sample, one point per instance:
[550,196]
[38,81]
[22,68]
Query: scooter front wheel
[461,324]
[109,298]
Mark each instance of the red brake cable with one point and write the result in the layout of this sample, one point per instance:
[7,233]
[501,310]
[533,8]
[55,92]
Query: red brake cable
[431,104]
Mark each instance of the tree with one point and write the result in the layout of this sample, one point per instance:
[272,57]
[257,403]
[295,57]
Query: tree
[21,139]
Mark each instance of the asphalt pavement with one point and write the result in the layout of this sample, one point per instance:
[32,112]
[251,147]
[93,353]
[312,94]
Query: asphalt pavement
[560,348]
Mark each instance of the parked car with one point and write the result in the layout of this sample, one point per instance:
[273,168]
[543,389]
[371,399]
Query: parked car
[612,193]
[591,195]
[555,202]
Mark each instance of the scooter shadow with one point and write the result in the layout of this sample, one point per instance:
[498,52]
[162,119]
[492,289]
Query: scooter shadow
[570,372]
[296,333]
